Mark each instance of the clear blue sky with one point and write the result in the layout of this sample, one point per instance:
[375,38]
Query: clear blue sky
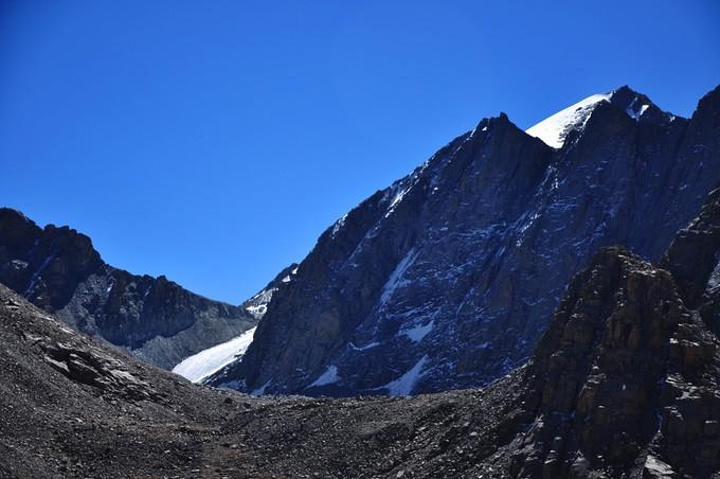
[213,141]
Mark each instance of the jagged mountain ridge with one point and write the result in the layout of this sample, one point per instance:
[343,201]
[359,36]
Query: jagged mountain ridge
[624,383]
[257,305]
[57,269]
[447,278]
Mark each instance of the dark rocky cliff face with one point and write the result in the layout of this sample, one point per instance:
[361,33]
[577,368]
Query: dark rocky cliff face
[626,381]
[447,278]
[58,270]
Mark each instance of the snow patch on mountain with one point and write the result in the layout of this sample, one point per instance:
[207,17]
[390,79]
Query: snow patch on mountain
[635,111]
[337,226]
[258,303]
[401,188]
[714,279]
[257,310]
[363,348]
[404,385]
[417,333]
[330,376]
[261,390]
[397,198]
[658,468]
[207,362]
[555,129]
[395,279]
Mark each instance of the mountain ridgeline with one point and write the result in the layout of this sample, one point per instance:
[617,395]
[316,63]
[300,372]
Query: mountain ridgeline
[448,278]
[57,269]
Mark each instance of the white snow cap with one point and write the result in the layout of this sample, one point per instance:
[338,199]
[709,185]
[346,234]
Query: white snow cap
[554,129]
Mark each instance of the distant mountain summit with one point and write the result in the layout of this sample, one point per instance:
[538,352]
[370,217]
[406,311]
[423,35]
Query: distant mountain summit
[57,269]
[556,128]
[448,278]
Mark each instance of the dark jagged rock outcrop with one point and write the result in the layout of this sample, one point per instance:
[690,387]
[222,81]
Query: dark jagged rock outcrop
[626,381]
[448,278]
[57,269]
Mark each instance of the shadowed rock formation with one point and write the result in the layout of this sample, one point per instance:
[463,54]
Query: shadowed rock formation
[57,269]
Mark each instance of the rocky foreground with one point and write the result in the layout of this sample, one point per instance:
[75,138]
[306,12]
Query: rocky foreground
[623,384]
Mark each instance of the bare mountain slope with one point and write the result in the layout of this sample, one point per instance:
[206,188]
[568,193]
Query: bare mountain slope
[448,278]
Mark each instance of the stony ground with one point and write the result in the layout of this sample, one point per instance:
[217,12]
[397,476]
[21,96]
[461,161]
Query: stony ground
[71,407]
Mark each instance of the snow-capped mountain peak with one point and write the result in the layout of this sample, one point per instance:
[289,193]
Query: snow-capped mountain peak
[555,129]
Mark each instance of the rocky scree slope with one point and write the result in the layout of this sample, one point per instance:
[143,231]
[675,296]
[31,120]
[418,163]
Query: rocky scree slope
[448,278]
[623,384]
[57,269]
[70,407]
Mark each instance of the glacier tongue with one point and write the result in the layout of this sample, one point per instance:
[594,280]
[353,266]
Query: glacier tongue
[203,364]
[554,129]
